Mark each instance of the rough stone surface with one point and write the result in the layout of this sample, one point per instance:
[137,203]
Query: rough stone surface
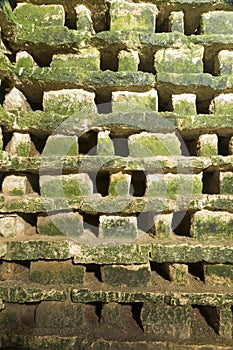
[207,145]
[16,185]
[184,104]
[15,100]
[119,184]
[21,145]
[125,101]
[117,227]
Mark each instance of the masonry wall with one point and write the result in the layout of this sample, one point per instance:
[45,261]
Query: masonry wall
[116,207]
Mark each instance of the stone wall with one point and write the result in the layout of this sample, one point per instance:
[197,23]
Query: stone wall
[116,207]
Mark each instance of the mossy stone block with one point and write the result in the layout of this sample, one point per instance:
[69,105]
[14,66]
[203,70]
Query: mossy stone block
[66,185]
[69,101]
[14,185]
[162,226]
[12,225]
[61,145]
[56,272]
[207,145]
[119,184]
[217,22]
[128,61]
[105,145]
[225,59]
[84,21]
[226,182]
[215,225]
[126,275]
[219,274]
[117,227]
[150,145]
[161,319]
[179,274]
[184,104]
[176,21]
[21,145]
[222,104]
[24,60]
[40,15]
[187,59]
[128,16]
[125,101]
[16,101]
[85,59]
[67,224]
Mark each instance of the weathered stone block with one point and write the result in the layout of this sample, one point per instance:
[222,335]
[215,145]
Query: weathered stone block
[69,101]
[226,182]
[126,275]
[231,146]
[216,224]
[217,22]
[66,185]
[12,225]
[162,227]
[128,61]
[16,185]
[139,17]
[118,227]
[61,145]
[219,274]
[42,15]
[150,145]
[179,274]
[24,60]
[225,63]
[56,272]
[105,145]
[68,224]
[207,145]
[173,184]
[21,145]
[176,21]
[13,271]
[125,101]
[55,314]
[84,21]
[225,321]
[222,104]
[184,104]
[87,59]
[16,101]
[165,320]
[119,184]
[180,61]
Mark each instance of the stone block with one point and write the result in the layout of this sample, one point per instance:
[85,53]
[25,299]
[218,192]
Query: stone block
[115,315]
[67,224]
[226,182]
[176,21]
[40,15]
[225,62]
[12,226]
[179,274]
[84,21]
[167,321]
[1,141]
[16,185]
[24,60]
[61,145]
[59,315]
[225,321]
[180,61]
[105,145]
[217,22]
[184,104]
[219,274]
[207,145]
[56,272]
[231,146]
[128,61]
[13,271]
[212,224]
[126,275]
[69,101]
[162,227]
[128,16]
[119,184]
[16,101]
[154,144]
[66,185]
[21,145]
[222,104]
[125,101]
[172,185]
[117,227]
[87,60]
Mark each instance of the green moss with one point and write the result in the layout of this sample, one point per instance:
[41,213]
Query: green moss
[212,225]
[208,150]
[63,145]
[16,192]
[226,184]
[119,187]
[23,149]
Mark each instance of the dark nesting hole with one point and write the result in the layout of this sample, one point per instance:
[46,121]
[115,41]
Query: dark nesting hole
[147,61]
[223,145]
[211,182]
[189,146]
[197,271]
[210,63]
[109,59]
[94,269]
[162,23]
[39,142]
[102,182]
[6,137]
[36,106]
[203,104]
[88,142]
[4,88]
[1,180]
[138,184]
[13,4]
[30,219]
[103,101]
[34,181]
[145,221]
[192,22]
[120,145]
[162,269]
[164,100]
[181,223]
[136,312]
[70,20]
[211,316]
[91,223]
